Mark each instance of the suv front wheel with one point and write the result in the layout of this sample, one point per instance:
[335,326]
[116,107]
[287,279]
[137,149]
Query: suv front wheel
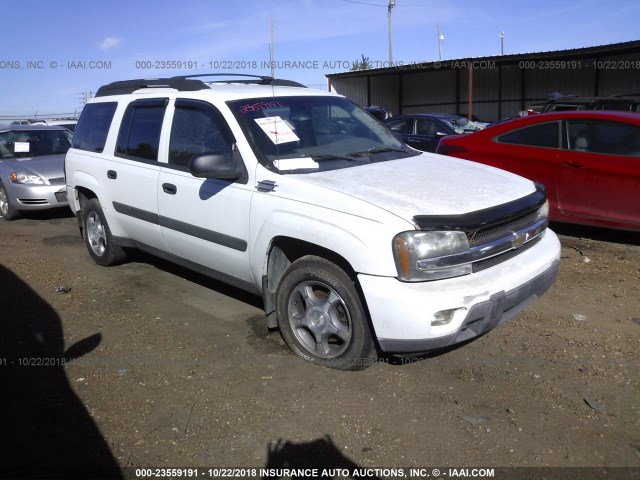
[97,236]
[321,317]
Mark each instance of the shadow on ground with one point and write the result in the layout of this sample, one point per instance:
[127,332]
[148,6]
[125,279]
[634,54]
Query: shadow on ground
[321,454]
[596,233]
[46,431]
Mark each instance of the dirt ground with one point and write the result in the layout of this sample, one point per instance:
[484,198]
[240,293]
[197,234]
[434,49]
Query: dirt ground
[166,368]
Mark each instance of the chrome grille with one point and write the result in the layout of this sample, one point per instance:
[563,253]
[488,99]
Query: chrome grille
[492,232]
[490,262]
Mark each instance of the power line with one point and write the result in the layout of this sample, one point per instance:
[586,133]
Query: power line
[365,3]
[384,6]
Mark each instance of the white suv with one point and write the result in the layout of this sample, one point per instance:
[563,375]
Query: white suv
[357,244]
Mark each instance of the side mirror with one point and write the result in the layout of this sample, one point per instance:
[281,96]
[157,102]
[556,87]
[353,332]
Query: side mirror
[441,134]
[215,165]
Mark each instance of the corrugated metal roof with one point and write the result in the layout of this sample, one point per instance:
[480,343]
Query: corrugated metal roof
[622,47]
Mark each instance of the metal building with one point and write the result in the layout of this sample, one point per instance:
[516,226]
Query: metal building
[494,87]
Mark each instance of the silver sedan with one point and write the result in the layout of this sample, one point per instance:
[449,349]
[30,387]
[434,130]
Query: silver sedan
[32,168]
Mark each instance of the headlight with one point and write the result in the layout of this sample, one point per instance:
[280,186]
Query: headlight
[421,255]
[543,211]
[26,178]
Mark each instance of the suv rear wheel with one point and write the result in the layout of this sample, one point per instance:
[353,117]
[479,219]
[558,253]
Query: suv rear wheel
[97,236]
[321,317]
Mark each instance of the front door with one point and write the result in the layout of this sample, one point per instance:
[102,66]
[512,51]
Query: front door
[205,221]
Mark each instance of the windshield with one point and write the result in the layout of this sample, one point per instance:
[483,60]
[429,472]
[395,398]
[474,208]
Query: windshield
[34,143]
[462,125]
[315,133]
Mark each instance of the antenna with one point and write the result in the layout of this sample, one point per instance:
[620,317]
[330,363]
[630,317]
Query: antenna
[271,53]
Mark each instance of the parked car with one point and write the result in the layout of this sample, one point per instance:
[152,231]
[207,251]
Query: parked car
[68,123]
[356,243]
[423,131]
[533,109]
[378,112]
[32,168]
[622,103]
[589,162]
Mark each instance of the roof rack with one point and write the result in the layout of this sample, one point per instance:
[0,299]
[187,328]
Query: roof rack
[185,83]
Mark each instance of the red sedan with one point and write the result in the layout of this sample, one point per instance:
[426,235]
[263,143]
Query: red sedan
[589,162]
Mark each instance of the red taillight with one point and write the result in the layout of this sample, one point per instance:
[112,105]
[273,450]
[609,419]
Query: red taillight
[444,149]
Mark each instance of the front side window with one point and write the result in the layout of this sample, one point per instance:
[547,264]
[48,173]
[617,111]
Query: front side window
[93,126]
[543,135]
[605,137]
[197,128]
[426,126]
[318,132]
[139,136]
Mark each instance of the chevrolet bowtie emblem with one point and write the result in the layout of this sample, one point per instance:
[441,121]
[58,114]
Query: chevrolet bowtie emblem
[519,239]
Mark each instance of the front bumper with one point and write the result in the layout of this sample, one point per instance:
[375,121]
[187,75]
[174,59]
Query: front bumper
[38,197]
[403,314]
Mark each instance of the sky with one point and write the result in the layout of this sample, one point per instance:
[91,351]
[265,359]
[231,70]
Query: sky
[55,51]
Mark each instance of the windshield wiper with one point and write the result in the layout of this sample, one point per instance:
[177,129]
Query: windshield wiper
[328,156]
[376,150]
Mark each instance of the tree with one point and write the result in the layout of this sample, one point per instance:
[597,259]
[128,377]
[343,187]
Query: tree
[363,64]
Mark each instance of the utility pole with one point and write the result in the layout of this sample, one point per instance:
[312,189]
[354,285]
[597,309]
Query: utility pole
[392,3]
[440,38]
[501,43]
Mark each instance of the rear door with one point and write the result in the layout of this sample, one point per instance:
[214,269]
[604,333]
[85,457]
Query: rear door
[131,176]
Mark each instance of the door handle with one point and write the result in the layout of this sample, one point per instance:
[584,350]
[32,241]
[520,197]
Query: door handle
[572,165]
[169,188]
[112,174]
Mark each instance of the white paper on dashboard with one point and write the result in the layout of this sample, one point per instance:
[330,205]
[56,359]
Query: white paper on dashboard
[277,130]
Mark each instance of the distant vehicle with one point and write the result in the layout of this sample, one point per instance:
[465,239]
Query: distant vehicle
[534,109]
[623,103]
[69,124]
[32,168]
[380,113]
[423,131]
[28,122]
[588,161]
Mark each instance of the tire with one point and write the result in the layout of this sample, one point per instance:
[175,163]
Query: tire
[321,317]
[7,211]
[97,236]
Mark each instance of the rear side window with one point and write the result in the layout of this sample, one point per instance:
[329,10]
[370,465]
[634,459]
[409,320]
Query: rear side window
[543,135]
[93,126]
[139,136]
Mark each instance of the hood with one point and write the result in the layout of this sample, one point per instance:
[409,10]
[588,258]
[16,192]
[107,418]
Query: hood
[427,184]
[46,166]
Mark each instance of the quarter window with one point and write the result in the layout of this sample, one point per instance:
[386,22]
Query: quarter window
[139,135]
[543,135]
